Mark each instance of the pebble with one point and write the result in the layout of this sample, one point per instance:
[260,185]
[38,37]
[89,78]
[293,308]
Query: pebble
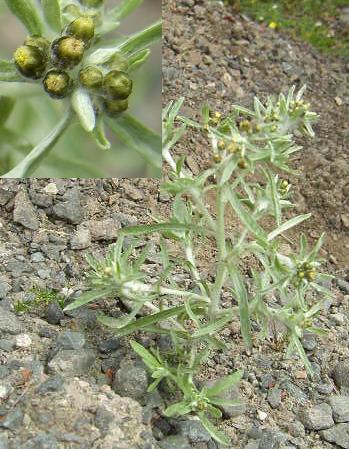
[318,417]
[54,314]
[4,444]
[4,391]
[23,341]
[340,408]
[262,416]
[9,323]
[274,397]
[272,439]
[70,340]
[81,239]
[343,285]
[110,345]
[13,420]
[51,188]
[309,342]
[131,380]
[70,208]
[24,212]
[175,442]
[42,441]
[103,229]
[338,434]
[193,430]
[70,362]
[232,394]
[341,375]
[54,383]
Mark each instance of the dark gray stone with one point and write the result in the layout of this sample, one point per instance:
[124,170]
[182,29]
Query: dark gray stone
[318,417]
[110,345]
[294,391]
[341,375]
[103,419]
[24,212]
[338,434]
[309,342]
[71,362]
[193,430]
[52,384]
[13,420]
[54,313]
[42,441]
[274,397]
[131,380]
[6,345]
[5,196]
[324,388]
[272,439]
[70,340]
[175,442]
[9,323]
[343,285]
[340,408]
[70,209]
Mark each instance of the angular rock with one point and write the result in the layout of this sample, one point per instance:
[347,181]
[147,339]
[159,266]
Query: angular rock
[4,289]
[13,420]
[70,209]
[340,375]
[81,239]
[340,408]
[52,384]
[318,417]
[23,341]
[70,362]
[338,434]
[9,323]
[131,380]
[103,229]
[24,212]
[193,430]
[42,441]
[343,285]
[175,442]
[54,313]
[274,397]
[5,196]
[272,439]
[252,444]
[70,340]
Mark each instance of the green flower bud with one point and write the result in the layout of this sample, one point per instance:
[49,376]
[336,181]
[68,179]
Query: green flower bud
[91,78]
[117,85]
[82,28]
[114,107]
[57,83]
[242,163]
[30,61]
[118,62]
[41,43]
[67,52]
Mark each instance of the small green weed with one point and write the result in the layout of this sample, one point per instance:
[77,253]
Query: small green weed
[42,297]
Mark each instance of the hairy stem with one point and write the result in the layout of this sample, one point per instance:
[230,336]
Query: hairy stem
[38,153]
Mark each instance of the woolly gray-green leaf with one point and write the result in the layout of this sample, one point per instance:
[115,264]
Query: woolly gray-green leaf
[52,13]
[26,12]
[8,71]
[83,107]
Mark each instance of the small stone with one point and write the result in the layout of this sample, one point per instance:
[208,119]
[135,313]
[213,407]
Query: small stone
[70,340]
[42,441]
[340,408]
[5,196]
[294,391]
[345,220]
[13,420]
[81,239]
[253,444]
[324,388]
[70,209]
[70,362]
[233,394]
[341,375]
[51,188]
[338,101]
[339,434]
[52,384]
[110,345]
[6,345]
[193,430]
[296,429]
[272,439]
[37,257]
[54,314]
[262,416]
[24,212]
[174,442]
[9,322]
[274,397]
[23,341]
[131,381]
[5,391]
[103,229]
[4,289]
[343,285]
[318,417]
[309,342]
[338,318]
[4,444]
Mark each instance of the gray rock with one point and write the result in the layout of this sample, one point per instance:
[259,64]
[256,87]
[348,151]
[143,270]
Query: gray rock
[294,391]
[296,429]
[70,209]
[5,196]
[13,420]
[193,430]
[70,340]
[103,229]
[4,371]
[131,380]
[4,444]
[52,384]
[110,345]
[175,442]
[339,434]
[233,394]
[274,397]
[253,444]
[103,419]
[9,323]
[37,257]
[340,375]
[309,342]
[4,289]
[272,439]
[81,239]
[340,408]
[6,345]
[24,212]
[324,388]
[70,362]
[318,417]
[343,285]
[42,441]
[54,314]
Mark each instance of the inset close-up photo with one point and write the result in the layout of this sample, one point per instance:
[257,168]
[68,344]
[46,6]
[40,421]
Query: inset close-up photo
[80,88]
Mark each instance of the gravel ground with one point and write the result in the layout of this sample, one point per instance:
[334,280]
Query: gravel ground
[68,383]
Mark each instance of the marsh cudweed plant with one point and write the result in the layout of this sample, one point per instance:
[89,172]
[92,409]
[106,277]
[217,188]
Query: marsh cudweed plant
[68,54]
[248,149]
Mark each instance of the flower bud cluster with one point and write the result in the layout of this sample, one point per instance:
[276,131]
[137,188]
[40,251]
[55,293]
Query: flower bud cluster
[305,272]
[54,61]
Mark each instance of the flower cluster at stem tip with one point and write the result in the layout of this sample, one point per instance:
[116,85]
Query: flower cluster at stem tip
[55,62]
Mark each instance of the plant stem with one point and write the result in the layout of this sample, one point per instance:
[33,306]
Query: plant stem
[33,159]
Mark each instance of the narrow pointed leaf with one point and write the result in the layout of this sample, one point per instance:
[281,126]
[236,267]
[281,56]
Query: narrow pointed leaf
[212,327]
[26,12]
[142,40]
[242,298]
[125,8]
[52,13]
[89,297]
[177,409]
[145,355]
[138,59]
[159,227]
[287,225]
[99,134]
[82,105]
[213,431]
[224,384]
